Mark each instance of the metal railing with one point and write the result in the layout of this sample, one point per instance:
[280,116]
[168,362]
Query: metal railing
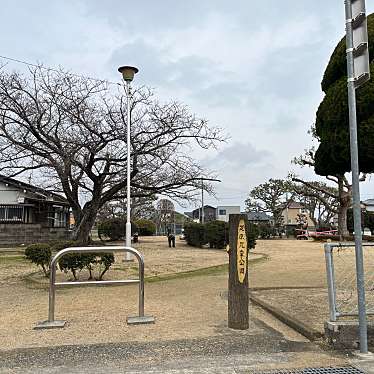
[52,323]
[341,279]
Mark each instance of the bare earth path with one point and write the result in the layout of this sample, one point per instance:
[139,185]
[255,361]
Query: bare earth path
[190,328]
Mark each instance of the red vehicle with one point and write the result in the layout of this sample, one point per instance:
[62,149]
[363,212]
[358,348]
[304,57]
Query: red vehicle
[305,234]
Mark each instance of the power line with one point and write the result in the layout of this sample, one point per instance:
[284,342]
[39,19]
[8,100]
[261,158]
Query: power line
[56,70]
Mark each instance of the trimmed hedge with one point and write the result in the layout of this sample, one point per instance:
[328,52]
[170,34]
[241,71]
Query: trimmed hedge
[195,234]
[215,233]
[114,229]
[145,227]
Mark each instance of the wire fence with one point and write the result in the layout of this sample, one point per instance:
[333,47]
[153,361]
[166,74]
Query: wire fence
[341,277]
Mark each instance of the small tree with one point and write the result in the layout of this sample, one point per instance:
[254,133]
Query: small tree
[269,197]
[39,254]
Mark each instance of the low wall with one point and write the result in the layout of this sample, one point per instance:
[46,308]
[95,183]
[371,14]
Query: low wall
[12,234]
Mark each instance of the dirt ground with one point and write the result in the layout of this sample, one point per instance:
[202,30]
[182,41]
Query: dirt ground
[294,280]
[193,307]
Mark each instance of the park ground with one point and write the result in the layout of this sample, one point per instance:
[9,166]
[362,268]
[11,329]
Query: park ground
[186,291]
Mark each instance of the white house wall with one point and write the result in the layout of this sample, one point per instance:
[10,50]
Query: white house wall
[10,195]
[229,210]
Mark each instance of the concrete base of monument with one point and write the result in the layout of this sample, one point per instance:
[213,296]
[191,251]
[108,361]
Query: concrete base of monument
[136,320]
[50,325]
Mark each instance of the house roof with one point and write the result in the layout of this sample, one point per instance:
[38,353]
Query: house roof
[205,207]
[41,192]
[188,214]
[292,205]
[368,202]
[295,205]
[258,216]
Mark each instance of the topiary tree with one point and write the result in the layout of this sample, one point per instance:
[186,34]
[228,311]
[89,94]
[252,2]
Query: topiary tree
[332,123]
[40,254]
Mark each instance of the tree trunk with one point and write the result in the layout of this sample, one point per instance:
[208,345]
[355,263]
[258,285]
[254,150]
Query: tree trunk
[342,221]
[82,232]
[344,204]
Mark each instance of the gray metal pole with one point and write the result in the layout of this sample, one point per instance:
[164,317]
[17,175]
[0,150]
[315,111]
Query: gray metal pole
[355,179]
[202,200]
[52,292]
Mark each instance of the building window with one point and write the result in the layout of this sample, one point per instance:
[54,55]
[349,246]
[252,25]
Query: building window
[58,218]
[222,212]
[11,213]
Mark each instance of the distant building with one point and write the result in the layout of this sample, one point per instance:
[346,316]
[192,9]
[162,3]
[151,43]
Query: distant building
[258,217]
[224,211]
[30,214]
[294,213]
[368,205]
[210,214]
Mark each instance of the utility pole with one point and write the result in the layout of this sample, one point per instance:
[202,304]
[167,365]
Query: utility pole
[358,72]
[202,201]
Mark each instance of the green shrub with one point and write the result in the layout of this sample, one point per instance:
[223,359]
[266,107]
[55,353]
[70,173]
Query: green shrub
[106,260]
[59,245]
[114,229]
[217,234]
[252,234]
[265,230]
[40,254]
[75,262]
[145,227]
[195,234]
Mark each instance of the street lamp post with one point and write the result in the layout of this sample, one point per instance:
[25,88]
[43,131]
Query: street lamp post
[128,73]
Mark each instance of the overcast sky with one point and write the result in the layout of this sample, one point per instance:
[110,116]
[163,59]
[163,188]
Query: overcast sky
[252,68]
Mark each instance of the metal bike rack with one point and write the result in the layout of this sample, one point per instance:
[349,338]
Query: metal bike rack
[136,320]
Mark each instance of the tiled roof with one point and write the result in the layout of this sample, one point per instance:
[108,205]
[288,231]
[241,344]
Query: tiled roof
[31,188]
[258,216]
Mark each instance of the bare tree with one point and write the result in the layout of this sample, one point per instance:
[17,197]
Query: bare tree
[337,200]
[322,206]
[71,131]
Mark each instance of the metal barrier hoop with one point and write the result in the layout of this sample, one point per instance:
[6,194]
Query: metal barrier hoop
[52,323]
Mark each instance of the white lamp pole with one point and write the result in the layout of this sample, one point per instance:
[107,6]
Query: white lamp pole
[128,73]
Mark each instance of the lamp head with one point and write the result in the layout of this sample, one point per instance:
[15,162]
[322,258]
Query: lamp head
[128,72]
